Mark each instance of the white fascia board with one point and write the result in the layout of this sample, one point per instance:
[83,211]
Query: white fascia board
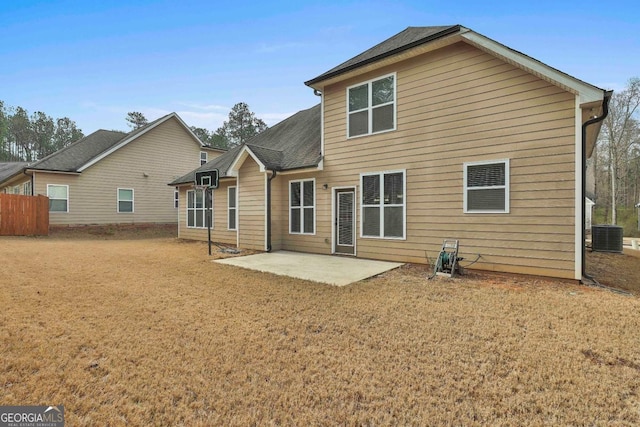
[588,93]
[240,158]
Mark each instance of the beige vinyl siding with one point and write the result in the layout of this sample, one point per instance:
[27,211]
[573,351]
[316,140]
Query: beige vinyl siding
[321,241]
[19,181]
[460,105]
[163,154]
[219,232]
[251,205]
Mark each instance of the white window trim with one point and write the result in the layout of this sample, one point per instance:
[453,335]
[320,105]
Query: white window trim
[234,208]
[203,209]
[26,188]
[506,186]
[67,199]
[302,207]
[382,205]
[133,204]
[206,157]
[370,107]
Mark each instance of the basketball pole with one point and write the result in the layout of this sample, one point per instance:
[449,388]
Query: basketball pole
[208,198]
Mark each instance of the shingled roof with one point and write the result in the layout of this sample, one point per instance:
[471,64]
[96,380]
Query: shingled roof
[8,169]
[73,156]
[407,39]
[294,143]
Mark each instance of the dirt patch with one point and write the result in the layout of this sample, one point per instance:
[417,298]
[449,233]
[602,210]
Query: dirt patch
[114,231]
[151,332]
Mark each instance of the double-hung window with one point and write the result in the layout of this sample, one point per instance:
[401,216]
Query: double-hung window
[383,205]
[372,106]
[195,209]
[58,198]
[26,188]
[486,186]
[232,208]
[203,157]
[302,207]
[125,200]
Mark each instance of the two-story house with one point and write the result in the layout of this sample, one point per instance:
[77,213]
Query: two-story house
[112,177]
[435,133]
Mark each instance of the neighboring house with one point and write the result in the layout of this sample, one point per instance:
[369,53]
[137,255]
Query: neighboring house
[112,177]
[435,133]
[12,169]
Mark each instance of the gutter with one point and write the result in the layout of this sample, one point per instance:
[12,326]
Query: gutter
[605,113]
[269,179]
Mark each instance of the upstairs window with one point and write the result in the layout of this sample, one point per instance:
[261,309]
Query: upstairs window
[125,200]
[372,106]
[486,187]
[203,157]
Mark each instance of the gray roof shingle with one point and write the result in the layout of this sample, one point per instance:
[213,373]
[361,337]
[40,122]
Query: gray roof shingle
[293,143]
[8,169]
[73,156]
[410,37]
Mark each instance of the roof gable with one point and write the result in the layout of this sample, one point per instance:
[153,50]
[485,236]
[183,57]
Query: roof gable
[414,40]
[89,150]
[404,40]
[294,143]
[9,169]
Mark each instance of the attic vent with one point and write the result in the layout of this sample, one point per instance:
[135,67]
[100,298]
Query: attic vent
[606,238]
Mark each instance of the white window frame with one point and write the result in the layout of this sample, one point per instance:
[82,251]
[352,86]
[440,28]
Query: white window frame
[370,108]
[234,208]
[381,205]
[16,189]
[302,206]
[67,199]
[132,200]
[176,198]
[203,209]
[204,159]
[26,188]
[505,186]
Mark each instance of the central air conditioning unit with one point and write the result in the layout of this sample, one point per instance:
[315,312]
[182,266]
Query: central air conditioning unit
[606,238]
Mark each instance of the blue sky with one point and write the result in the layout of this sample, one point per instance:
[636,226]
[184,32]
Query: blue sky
[95,61]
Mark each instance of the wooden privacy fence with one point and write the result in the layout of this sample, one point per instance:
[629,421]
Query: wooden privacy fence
[24,215]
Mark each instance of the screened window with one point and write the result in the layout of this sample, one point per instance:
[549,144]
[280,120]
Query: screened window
[196,209]
[203,157]
[232,208]
[58,198]
[302,207]
[125,200]
[371,106]
[486,187]
[383,205]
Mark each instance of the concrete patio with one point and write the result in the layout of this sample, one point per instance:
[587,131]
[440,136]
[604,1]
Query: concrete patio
[333,270]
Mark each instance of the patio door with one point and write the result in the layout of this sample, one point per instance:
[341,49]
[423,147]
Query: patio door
[345,221]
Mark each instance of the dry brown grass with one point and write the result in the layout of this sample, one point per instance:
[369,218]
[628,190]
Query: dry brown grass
[150,332]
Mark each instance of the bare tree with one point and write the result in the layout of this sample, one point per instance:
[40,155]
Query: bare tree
[620,137]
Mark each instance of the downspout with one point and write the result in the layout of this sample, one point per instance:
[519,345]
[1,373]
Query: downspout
[273,175]
[597,119]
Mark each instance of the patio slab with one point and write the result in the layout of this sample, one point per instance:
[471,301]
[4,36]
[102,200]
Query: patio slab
[333,270]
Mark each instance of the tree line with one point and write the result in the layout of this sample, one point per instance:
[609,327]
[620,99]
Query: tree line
[29,137]
[616,159]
